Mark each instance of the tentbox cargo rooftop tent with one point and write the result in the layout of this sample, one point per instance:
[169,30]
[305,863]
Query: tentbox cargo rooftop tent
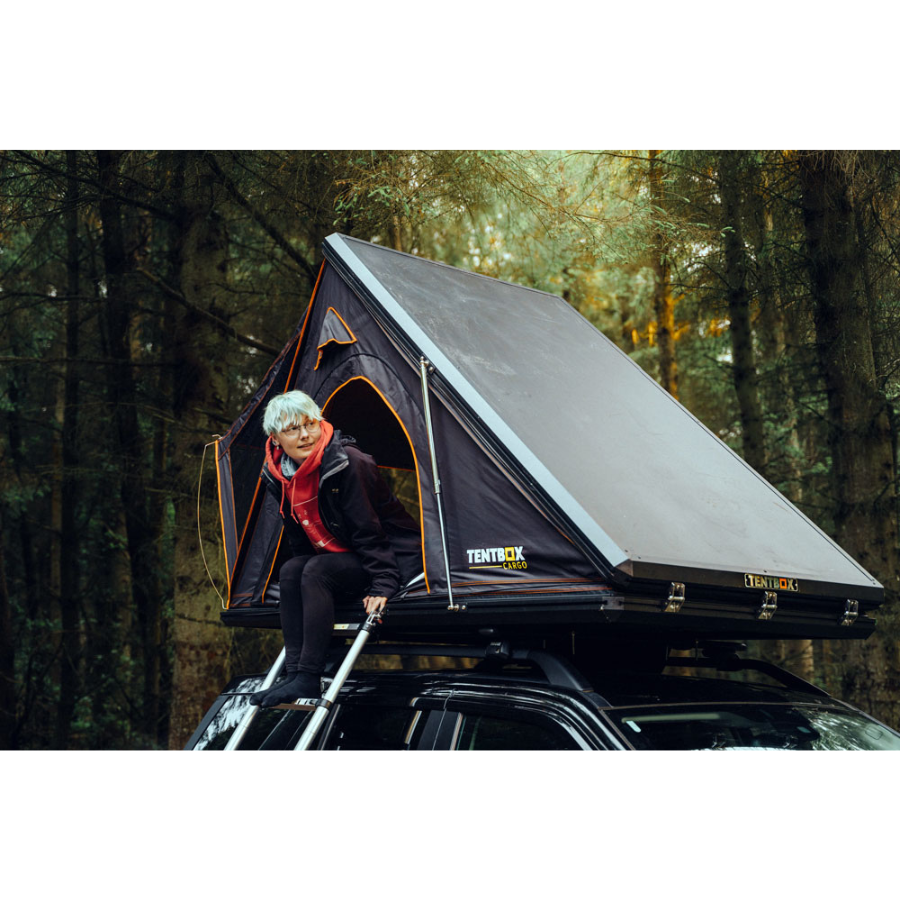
[573,490]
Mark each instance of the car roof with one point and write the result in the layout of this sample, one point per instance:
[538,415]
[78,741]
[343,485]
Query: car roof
[622,688]
[611,689]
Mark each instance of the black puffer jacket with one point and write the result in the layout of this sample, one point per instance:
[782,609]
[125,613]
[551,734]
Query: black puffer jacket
[358,508]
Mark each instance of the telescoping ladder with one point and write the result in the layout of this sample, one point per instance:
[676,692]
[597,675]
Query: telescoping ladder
[321,706]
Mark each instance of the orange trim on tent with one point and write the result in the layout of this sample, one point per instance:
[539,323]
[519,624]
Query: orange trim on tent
[255,527]
[415,460]
[274,560]
[512,590]
[249,517]
[600,588]
[231,485]
[321,347]
[222,520]
[312,300]
[587,581]
[287,385]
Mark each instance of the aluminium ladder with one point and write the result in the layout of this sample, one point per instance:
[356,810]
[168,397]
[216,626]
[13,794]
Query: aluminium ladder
[321,706]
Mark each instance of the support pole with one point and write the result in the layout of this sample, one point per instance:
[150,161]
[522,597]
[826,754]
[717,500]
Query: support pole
[238,735]
[324,705]
[424,368]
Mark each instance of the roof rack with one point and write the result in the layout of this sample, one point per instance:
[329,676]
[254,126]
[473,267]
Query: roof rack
[558,670]
[735,664]
[561,671]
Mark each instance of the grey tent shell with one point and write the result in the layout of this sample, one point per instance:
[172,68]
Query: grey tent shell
[576,491]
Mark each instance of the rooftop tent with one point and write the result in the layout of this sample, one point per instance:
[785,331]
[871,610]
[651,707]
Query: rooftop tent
[575,491]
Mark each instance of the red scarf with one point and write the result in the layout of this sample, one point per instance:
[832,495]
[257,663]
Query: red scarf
[302,492]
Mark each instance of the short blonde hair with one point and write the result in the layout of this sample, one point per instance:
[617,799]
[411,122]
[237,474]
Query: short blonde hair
[288,409]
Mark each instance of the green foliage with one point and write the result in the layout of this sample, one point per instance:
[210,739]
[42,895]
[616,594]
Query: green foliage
[586,225]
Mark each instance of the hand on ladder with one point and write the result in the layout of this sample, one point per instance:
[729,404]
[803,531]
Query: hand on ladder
[374,604]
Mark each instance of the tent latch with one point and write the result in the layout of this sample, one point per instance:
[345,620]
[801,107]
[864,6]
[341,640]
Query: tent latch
[675,600]
[769,606]
[851,612]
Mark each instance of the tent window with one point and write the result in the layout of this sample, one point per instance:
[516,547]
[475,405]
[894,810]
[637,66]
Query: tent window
[334,333]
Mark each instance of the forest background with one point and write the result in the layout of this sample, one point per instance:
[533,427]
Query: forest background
[144,294]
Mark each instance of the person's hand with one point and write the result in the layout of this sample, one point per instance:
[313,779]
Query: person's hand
[374,604]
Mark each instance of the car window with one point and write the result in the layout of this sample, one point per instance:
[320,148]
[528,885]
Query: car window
[271,729]
[744,726]
[361,727]
[480,732]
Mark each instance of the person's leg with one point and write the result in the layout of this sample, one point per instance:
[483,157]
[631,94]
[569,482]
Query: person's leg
[323,579]
[290,609]
[328,577]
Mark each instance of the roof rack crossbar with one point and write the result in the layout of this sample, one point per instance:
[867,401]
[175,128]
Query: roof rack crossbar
[557,670]
[473,652]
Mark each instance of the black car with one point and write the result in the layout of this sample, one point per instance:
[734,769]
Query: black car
[616,697]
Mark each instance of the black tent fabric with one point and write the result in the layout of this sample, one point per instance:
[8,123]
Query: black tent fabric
[574,489]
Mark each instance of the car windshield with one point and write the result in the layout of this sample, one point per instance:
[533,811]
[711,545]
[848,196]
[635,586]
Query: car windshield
[745,726]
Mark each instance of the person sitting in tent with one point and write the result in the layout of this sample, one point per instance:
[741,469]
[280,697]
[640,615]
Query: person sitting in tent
[349,535]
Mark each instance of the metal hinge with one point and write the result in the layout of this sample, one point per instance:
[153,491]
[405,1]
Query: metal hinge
[851,612]
[675,600]
[768,607]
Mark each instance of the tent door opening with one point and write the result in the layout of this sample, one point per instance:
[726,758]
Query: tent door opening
[357,408]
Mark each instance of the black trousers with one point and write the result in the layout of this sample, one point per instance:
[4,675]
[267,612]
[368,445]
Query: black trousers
[309,587]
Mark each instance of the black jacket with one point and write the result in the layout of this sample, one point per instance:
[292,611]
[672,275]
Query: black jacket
[358,508]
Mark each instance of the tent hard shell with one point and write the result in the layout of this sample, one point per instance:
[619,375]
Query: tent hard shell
[572,490]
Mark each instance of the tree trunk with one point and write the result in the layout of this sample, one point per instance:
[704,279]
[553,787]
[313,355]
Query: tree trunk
[24,689]
[25,555]
[396,233]
[123,396]
[859,428]
[201,642]
[746,382]
[776,388]
[7,665]
[69,537]
[663,304]
[796,656]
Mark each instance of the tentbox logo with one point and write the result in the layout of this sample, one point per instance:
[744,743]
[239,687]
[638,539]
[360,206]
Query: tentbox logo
[497,558]
[771,583]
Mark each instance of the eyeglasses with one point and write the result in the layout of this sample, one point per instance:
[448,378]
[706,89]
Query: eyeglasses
[294,430]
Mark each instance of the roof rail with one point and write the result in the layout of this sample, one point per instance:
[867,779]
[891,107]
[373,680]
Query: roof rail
[558,670]
[734,663]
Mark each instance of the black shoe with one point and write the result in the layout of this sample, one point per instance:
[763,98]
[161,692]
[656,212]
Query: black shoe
[300,685]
